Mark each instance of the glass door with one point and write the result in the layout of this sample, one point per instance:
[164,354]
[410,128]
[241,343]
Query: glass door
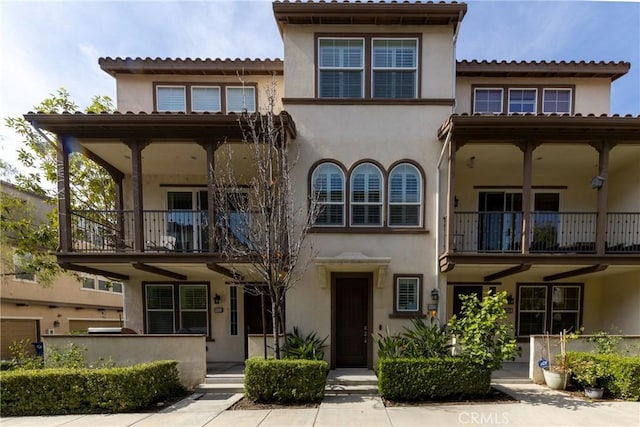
[546,222]
[500,221]
[187,219]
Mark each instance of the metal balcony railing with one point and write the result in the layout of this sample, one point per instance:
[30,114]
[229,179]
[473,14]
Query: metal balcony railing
[551,232]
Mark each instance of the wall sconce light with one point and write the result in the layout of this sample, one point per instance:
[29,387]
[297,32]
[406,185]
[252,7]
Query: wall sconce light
[435,295]
[597,182]
[216,299]
[56,324]
[509,299]
[456,201]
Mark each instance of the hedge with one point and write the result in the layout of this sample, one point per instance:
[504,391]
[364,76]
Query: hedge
[81,391]
[285,380]
[623,379]
[415,379]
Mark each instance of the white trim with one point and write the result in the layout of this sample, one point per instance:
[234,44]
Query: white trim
[184,90]
[563,89]
[380,203]
[244,88]
[475,91]
[344,194]
[20,318]
[535,100]
[219,110]
[420,202]
[544,312]
[361,68]
[414,69]
[397,290]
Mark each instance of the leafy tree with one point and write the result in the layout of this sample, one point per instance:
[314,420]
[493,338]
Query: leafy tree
[22,232]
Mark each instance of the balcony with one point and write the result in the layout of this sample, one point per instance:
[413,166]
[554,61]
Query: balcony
[164,231]
[552,232]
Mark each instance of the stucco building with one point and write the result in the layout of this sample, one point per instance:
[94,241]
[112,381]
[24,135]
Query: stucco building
[437,178]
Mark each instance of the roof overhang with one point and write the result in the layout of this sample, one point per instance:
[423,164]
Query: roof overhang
[504,69]
[196,126]
[369,13]
[189,66]
[546,128]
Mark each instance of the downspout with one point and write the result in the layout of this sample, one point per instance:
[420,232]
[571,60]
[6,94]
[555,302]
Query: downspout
[442,289]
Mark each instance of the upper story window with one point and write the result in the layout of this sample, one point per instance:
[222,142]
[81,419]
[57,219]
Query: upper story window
[200,98]
[394,68]
[522,100]
[100,283]
[366,195]
[367,67]
[556,101]
[405,196]
[487,101]
[341,68]
[328,189]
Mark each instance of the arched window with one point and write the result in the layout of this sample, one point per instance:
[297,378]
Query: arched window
[405,196]
[327,183]
[366,195]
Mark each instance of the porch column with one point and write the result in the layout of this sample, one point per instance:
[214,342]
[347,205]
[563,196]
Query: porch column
[603,149]
[136,147]
[451,189]
[527,148]
[119,205]
[210,147]
[64,194]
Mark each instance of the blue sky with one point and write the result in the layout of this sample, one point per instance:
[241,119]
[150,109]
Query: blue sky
[45,45]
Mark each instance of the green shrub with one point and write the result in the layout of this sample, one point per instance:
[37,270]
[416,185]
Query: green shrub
[299,346]
[285,380]
[420,340]
[80,391]
[416,379]
[620,374]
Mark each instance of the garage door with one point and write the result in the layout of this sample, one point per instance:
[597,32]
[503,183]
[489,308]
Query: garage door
[83,325]
[16,330]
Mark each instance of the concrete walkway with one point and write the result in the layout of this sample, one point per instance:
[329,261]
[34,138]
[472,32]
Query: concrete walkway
[538,406]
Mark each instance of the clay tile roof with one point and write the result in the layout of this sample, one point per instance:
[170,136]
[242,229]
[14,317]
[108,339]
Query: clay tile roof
[474,68]
[198,66]
[368,12]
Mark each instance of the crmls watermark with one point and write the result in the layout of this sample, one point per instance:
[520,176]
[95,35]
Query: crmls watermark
[494,418]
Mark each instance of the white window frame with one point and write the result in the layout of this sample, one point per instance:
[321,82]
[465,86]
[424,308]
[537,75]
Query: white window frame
[419,203]
[206,87]
[366,193]
[184,90]
[96,283]
[181,286]
[558,89]
[414,68]
[544,311]
[535,99]
[328,202]
[245,89]
[417,286]
[361,68]
[475,92]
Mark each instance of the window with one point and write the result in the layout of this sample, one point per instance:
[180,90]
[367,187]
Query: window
[405,196]
[116,287]
[341,68]
[21,271]
[366,195]
[177,308]
[522,100]
[556,101]
[551,308]
[171,98]
[394,68]
[328,190]
[407,294]
[487,101]
[205,98]
[241,99]
[88,282]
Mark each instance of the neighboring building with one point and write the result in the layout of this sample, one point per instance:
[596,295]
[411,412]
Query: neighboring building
[433,186]
[29,309]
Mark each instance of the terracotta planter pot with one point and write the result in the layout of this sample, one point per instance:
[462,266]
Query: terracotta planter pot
[555,380]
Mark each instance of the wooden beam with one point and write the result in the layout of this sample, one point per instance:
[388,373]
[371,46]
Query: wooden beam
[603,173]
[225,272]
[508,272]
[159,271]
[64,194]
[136,147]
[577,272]
[112,170]
[91,270]
[451,189]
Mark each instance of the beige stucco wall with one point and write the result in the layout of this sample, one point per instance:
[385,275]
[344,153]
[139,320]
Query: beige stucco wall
[127,350]
[436,56]
[592,95]
[135,92]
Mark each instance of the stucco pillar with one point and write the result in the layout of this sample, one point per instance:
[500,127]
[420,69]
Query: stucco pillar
[64,194]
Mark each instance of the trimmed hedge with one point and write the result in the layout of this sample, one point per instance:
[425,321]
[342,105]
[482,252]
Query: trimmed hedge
[285,380]
[81,391]
[623,379]
[414,379]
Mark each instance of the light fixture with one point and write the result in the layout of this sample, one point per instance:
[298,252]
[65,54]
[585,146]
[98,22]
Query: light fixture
[597,182]
[471,162]
[216,299]
[435,295]
[456,201]
[509,299]
[56,323]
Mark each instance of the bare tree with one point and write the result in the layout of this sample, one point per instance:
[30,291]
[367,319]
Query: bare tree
[257,215]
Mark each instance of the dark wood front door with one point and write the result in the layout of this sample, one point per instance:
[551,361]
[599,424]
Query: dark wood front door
[352,333]
[464,290]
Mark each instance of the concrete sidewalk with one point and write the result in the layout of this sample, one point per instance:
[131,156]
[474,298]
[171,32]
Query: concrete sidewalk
[538,406]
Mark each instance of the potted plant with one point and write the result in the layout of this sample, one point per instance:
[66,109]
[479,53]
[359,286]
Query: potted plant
[556,376]
[590,374]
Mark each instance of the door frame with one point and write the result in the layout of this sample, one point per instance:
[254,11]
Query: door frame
[369,277]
